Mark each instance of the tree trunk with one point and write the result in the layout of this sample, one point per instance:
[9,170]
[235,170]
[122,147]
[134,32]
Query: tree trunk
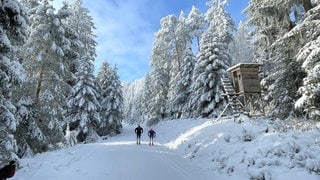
[39,87]
[307,5]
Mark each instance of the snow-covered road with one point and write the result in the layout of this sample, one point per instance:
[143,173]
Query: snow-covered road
[118,158]
[190,149]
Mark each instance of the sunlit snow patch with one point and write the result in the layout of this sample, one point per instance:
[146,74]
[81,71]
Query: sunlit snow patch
[187,135]
[119,143]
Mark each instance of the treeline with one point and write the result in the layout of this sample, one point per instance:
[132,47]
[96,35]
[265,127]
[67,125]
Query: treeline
[190,55]
[48,87]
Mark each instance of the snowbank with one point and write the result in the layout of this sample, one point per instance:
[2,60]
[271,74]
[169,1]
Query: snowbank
[256,148]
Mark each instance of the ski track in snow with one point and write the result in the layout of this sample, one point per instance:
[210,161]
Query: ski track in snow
[190,149]
[118,158]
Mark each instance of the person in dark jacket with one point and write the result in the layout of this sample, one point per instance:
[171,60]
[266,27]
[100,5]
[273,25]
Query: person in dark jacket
[8,171]
[138,131]
[151,134]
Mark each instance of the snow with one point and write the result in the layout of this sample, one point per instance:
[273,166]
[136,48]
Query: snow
[245,148]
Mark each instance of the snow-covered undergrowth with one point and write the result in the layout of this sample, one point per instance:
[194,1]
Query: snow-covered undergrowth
[250,148]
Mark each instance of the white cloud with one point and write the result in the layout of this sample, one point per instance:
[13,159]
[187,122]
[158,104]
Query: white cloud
[125,35]
[125,29]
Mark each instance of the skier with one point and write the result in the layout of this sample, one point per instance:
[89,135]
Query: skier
[151,134]
[138,131]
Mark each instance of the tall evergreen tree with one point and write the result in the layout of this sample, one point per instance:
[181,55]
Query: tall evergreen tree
[72,57]
[305,38]
[186,31]
[44,58]
[13,26]
[84,106]
[161,64]
[242,46]
[182,90]
[181,38]
[82,23]
[112,98]
[283,74]
[147,96]
[195,22]
[212,61]
[85,87]
[133,100]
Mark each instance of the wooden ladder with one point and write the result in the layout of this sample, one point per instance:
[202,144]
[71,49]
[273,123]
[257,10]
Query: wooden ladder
[233,100]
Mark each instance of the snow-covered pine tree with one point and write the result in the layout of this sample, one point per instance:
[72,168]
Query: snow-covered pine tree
[196,24]
[29,137]
[270,20]
[133,99]
[103,80]
[187,30]
[83,106]
[306,38]
[182,90]
[181,38]
[212,61]
[72,55]
[111,100]
[13,26]
[82,25]
[84,52]
[242,46]
[45,61]
[161,63]
[146,97]
[283,75]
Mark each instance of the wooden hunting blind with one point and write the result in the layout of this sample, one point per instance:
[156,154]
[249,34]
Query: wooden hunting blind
[245,78]
[245,87]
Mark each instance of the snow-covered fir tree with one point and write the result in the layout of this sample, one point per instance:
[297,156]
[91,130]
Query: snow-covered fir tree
[161,63]
[85,85]
[271,21]
[44,58]
[188,29]
[242,46]
[182,90]
[181,38]
[75,48]
[111,99]
[305,38]
[172,42]
[30,139]
[196,24]
[146,96]
[83,106]
[82,25]
[13,26]
[212,61]
[283,74]
[133,101]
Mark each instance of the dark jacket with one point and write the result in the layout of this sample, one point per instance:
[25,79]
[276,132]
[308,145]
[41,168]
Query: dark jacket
[8,171]
[138,130]
[151,133]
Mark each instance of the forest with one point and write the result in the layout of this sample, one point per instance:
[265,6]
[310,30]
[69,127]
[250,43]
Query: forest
[191,53]
[48,87]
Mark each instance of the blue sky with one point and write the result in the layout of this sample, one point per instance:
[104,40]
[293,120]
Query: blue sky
[125,29]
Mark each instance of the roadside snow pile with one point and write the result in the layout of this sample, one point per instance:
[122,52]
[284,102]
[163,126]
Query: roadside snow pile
[250,148]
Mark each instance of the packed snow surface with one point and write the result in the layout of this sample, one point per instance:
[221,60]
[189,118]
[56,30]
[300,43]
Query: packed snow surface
[199,149]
